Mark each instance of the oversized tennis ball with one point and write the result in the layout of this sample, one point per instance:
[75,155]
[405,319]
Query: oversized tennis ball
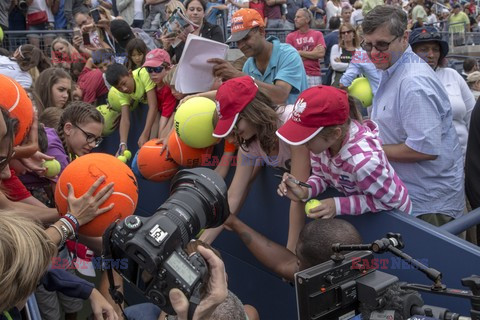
[122,158]
[361,89]
[53,168]
[313,203]
[193,122]
[127,154]
[15,99]
[185,155]
[83,172]
[153,165]
[110,117]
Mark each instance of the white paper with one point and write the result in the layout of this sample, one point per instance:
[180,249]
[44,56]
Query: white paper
[194,73]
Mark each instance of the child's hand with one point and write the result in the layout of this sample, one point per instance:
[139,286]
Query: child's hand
[292,190]
[326,210]
[141,141]
[163,142]
[121,148]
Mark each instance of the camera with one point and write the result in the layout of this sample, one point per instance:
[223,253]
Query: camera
[154,245]
[351,287]
[22,5]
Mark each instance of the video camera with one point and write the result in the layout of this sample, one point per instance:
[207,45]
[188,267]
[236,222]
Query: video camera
[350,287]
[154,245]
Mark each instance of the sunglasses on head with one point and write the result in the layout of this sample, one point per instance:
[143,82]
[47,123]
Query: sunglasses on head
[154,69]
[430,35]
[380,45]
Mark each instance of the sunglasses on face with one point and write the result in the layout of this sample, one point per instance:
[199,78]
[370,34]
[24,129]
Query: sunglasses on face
[154,69]
[346,32]
[380,45]
[90,137]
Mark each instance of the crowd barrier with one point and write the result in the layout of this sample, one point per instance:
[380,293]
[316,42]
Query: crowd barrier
[266,212]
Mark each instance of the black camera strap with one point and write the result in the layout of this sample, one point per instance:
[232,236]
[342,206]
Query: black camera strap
[194,301]
[116,295]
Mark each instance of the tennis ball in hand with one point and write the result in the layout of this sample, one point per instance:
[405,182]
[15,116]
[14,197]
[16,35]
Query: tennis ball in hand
[311,204]
[127,154]
[122,158]
[53,168]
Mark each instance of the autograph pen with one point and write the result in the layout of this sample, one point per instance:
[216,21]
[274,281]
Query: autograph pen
[297,182]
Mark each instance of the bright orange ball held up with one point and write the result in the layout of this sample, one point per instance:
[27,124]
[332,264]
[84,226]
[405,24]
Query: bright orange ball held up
[15,99]
[83,172]
[152,165]
[185,155]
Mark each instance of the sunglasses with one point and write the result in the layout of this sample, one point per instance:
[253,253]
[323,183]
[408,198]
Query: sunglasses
[346,32]
[154,69]
[380,46]
[430,35]
[90,137]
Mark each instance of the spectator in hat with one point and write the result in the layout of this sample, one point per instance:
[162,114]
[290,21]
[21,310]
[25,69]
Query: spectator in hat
[429,45]
[458,21]
[123,33]
[344,153]
[276,67]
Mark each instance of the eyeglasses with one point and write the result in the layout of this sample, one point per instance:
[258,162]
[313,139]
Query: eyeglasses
[91,137]
[380,46]
[346,32]
[154,69]
[3,159]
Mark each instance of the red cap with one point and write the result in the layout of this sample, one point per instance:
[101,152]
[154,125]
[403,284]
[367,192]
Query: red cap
[156,58]
[232,97]
[242,21]
[315,108]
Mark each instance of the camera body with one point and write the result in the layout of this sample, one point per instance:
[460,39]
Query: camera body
[154,245]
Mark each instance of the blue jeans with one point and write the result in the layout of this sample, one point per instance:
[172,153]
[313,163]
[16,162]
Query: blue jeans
[143,311]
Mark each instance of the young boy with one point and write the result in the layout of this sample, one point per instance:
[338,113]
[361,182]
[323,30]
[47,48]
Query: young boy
[90,81]
[157,63]
[345,154]
[135,86]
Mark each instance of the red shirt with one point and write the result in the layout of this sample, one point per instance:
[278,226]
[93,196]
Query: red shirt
[15,190]
[260,7]
[307,42]
[166,101]
[92,84]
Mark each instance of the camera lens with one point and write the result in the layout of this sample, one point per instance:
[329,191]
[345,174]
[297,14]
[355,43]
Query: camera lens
[198,200]
[23,5]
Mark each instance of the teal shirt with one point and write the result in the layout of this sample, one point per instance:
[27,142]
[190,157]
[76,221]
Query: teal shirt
[285,64]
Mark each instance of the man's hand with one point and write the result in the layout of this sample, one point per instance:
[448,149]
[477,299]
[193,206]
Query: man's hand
[216,290]
[224,69]
[326,210]
[86,207]
[100,307]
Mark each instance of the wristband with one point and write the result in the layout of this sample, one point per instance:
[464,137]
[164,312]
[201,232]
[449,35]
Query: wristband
[74,220]
[59,231]
[68,224]
[122,144]
[229,147]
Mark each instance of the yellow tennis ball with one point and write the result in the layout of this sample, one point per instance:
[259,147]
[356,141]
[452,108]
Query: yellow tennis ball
[127,154]
[313,203]
[122,158]
[1,34]
[193,122]
[361,89]
[53,168]
[110,117]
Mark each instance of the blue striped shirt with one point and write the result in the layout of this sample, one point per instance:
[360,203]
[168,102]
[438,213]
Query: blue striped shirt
[411,106]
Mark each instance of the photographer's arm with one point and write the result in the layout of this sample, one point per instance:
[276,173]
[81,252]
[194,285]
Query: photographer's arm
[272,255]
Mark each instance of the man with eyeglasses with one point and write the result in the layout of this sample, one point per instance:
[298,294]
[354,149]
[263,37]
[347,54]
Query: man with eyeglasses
[414,115]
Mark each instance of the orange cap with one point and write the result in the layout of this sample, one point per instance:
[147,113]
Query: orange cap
[242,21]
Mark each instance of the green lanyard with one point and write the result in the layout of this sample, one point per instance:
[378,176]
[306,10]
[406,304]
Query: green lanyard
[7,315]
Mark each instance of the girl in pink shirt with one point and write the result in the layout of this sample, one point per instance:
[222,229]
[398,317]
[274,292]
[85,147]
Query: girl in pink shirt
[345,154]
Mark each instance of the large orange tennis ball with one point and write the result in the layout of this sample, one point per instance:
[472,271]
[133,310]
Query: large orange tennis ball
[185,155]
[15,99]
[154,166]
[83,172]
